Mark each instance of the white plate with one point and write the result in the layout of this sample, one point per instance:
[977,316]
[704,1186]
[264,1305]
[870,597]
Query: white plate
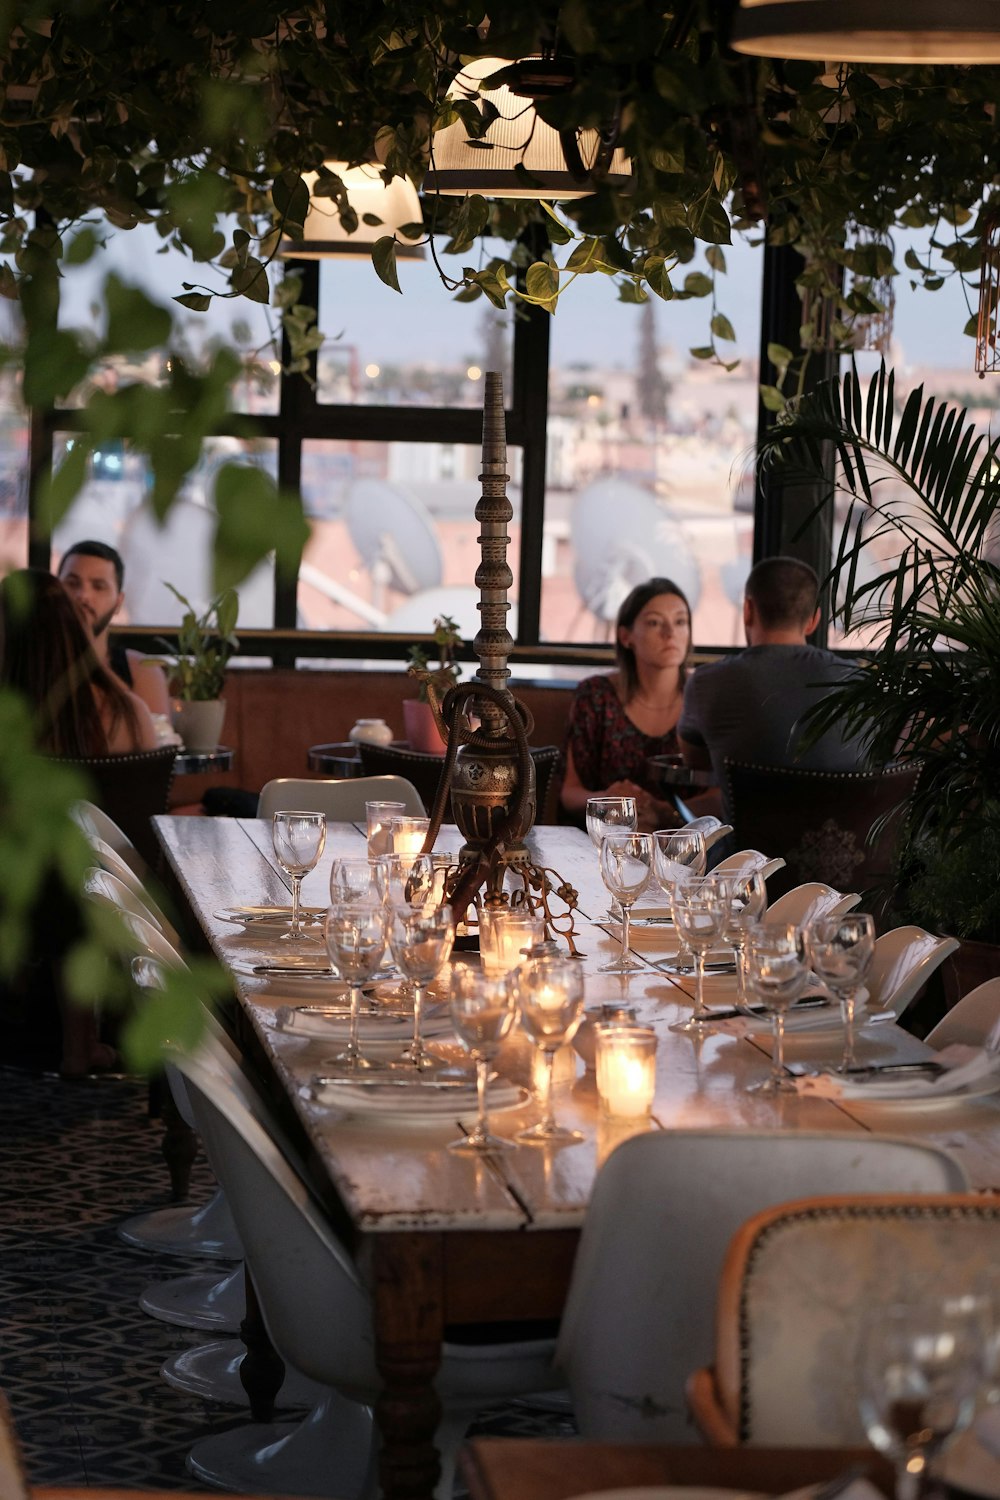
[883,1092]
[334,1025]
[414,1103]
[266,917]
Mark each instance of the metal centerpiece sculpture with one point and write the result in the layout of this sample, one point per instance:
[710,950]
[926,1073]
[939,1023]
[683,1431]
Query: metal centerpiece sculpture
[488,771]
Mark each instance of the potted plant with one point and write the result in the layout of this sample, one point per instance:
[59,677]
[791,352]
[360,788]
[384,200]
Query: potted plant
[917,570]
[421,715]
[204,645]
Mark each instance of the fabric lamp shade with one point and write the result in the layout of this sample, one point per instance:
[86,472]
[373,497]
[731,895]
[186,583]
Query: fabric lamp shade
[394,203]
[516,138]
[870,31]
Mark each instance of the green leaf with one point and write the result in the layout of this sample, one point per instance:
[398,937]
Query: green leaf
[250,280]
[632,291]
[697,284]
[255,518]
[722,328]
[780,356]
[495,289]
[81,247]
[704,352]
[771,398]
[659,280]
[542,284]
[291,200]
[384,261]
[196,301]
[581,257]
[134,321]
[713,224]
[715,258]
[58,490]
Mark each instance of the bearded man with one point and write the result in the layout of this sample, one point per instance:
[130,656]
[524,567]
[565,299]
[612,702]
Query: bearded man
[92,573]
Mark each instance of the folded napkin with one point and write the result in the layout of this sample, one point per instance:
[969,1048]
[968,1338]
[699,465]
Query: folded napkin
[966,1067]
[660,938]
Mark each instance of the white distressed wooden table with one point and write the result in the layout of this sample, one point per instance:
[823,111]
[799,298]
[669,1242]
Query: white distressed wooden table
[442,1239]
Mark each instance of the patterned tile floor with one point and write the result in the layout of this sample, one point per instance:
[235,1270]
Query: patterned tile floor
[79,1360]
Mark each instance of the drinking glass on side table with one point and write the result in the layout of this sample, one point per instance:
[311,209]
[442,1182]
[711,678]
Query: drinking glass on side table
[299,839]
[483,1010]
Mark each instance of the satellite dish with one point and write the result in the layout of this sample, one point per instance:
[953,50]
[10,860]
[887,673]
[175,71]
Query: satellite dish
[181,553]
[395,538]
[621,537]
[418,613]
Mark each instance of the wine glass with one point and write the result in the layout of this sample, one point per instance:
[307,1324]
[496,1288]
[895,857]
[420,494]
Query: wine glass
[841,950]
[483,1010]
[355,940]
[406,879]
[421,942]
[678,853]
[776,975]
[921,1363]
[299,839]
[746,896]
[626,865]
[550,1004]
[701,910]
[605,813]
[353,880]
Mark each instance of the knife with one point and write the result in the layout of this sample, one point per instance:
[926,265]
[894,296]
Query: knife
[293,971]
[733,1013]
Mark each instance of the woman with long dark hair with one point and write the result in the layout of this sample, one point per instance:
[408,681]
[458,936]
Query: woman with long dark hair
[80,708]
[617,722]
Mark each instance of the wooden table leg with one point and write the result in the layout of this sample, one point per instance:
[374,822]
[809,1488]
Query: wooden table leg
[262,1370]
[407,1292]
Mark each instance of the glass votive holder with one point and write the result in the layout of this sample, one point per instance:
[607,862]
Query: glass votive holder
[626,1070]
[380,816]
[408,834]
[504,937]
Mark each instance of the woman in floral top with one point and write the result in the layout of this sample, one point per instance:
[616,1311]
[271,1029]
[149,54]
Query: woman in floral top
[617,722]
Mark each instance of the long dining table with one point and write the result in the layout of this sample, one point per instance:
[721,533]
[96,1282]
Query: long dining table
[443,1239]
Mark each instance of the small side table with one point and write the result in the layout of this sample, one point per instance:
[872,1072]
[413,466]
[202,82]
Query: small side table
[339,759]
[193,762]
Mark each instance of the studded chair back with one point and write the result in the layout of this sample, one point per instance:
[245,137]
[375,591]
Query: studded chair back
[839,827]
[800,1285]
[131,789]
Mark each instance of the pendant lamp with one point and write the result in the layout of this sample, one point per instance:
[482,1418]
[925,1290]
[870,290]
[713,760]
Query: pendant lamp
[870,31]
[560,165]
[393,203]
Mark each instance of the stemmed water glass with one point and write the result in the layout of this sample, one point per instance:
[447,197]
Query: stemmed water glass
[921,1364]
[299,839]
[746,895]
[421,941]
[701,909]
[406,879]
[550,1004]
[626,866]
[353,880]
[841,950]
[606,813]
[678,854]
[776,975]
[355,940]
[483,1010]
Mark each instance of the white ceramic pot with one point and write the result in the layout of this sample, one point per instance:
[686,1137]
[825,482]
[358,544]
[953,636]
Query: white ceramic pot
[199,724]
[371,732]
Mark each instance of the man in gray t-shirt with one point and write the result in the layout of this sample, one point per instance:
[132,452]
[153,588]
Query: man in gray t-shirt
[748,707]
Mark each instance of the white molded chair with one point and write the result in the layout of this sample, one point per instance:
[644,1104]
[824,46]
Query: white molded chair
[745,860]
[212,1373]
[109,860]
[905,959]
[798,1289]
[638,1317]
[972,1020]
[803,903]
[115,892]
[318,1315]
[342,801]
[713,829]
[94,822]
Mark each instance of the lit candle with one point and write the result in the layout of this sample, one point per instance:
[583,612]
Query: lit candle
[503,937]
[408,834]
[626,1070]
